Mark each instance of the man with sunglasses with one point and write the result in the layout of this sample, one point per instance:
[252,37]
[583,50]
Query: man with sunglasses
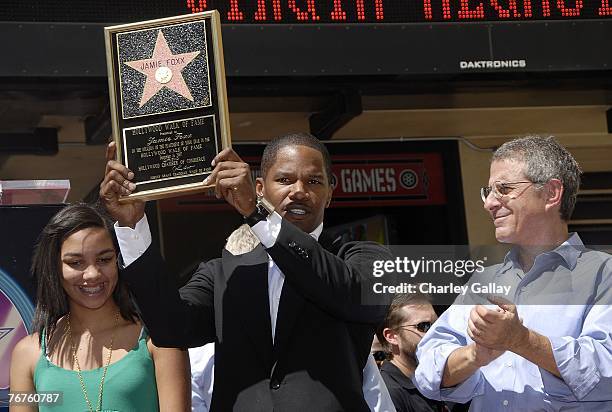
[547,345]
[409,317]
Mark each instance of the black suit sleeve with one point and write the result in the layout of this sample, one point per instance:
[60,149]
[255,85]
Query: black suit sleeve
[174,318]
[339,284]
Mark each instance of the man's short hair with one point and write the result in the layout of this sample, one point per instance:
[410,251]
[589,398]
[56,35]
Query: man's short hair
[545,159]
[395,317]
[294,139]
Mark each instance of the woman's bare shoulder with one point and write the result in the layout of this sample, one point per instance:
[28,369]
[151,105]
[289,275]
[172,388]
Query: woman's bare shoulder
[27,349]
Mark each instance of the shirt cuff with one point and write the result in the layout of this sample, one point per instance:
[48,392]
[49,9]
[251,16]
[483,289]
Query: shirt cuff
[133,242]
[267,230]
[464,391]
[578,372]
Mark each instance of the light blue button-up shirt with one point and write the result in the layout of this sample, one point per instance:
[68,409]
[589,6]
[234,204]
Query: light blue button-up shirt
[567,297]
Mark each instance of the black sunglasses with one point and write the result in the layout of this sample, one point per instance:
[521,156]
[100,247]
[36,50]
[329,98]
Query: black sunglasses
[421,327]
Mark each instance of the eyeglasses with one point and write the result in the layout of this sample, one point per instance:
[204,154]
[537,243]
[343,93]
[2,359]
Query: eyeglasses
[421,327]
[502,190]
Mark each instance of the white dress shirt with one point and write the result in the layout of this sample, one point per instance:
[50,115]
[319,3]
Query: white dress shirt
[202,361]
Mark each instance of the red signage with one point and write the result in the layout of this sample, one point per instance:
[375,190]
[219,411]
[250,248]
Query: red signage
[309,11]
[384,180]
[380,180]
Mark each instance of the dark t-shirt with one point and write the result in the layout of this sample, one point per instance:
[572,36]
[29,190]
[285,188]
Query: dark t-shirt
[404,394]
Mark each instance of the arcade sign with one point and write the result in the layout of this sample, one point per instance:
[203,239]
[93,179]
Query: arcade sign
[401,179]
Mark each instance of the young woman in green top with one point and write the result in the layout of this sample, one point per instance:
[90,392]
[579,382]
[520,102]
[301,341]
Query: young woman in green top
[89,345]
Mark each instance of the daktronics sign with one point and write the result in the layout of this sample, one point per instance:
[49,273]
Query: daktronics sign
[380,180]
[398,179]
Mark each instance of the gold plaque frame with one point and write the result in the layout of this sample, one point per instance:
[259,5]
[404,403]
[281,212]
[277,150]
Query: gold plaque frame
[216,111]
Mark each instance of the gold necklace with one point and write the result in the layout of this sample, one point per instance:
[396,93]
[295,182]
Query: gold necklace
[78,367]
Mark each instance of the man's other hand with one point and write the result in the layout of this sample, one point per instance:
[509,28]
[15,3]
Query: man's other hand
[499,328]
[116,183]
[232,179]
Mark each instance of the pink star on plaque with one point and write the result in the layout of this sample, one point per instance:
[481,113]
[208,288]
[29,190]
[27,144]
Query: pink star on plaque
[163,69]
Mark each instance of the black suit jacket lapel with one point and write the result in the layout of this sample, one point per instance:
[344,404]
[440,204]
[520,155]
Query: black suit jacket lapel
[247,293]
[289,308]
[291,303]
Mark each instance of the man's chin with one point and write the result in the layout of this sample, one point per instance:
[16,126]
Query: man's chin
[303,224]
[502,236]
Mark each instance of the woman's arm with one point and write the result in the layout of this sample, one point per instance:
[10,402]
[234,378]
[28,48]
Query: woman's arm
[23,361]
[173,377]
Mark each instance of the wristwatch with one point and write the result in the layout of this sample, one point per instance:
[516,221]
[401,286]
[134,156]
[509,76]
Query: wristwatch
[263,209]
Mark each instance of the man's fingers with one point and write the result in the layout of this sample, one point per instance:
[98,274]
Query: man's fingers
[112,164]
[488,315]
[473,314]
[115,187]
[229,165]
[107,192]
[111,149]
[228,184]
[477,321]
[112,190]
[472,335]
[233,183]
[481,311]
[469,332]
[214,176]
[117,171]
[471,327]
[230,173]
[120,178]
[503,303]
[115,184]
[227,154]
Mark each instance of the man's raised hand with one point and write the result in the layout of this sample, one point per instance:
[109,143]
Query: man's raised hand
[116,183]
[232,179]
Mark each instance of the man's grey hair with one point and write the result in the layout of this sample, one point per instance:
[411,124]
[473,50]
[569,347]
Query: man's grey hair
[545,159]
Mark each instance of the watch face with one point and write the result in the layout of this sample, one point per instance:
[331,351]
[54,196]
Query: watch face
[262,211]
[257,216]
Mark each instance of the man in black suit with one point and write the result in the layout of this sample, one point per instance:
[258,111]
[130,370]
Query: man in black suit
[292,332]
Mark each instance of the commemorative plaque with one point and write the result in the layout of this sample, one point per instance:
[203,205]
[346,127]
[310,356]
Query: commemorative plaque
[168,101]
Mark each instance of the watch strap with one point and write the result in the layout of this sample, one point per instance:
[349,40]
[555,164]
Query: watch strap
[263,209]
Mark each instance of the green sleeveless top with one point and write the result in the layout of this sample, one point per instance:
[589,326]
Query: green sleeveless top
[129,385]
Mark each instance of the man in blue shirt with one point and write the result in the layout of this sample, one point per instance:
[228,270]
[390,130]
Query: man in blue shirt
[551,347]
